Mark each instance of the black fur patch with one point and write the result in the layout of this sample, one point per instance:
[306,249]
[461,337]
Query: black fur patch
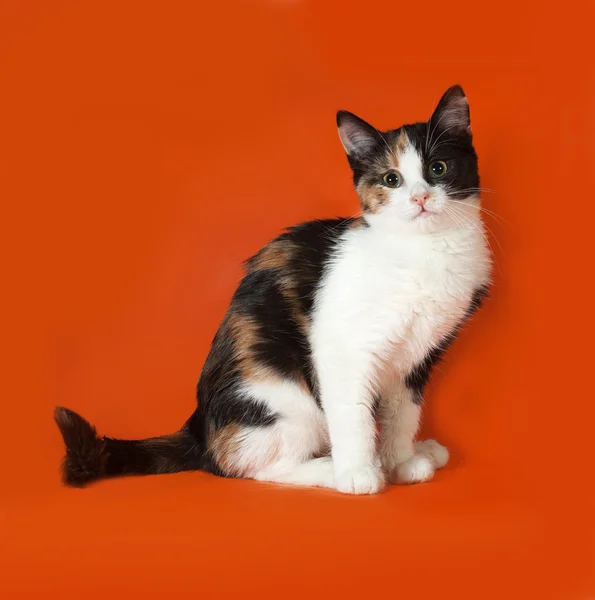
[457,152]
[168,454]
[480,294]
[376,399]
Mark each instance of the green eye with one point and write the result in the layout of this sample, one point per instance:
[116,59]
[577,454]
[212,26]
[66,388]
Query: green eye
[437,169]
[392,179]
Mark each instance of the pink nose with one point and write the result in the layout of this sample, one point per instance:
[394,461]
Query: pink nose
[420,199]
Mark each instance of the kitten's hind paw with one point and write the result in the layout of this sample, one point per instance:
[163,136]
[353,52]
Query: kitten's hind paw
[417,469]
[361,480]
[436,452]
[429,456]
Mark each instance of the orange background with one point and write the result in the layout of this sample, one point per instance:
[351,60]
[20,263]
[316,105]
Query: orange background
[147,148]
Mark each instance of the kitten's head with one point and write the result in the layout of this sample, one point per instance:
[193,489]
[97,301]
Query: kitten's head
[421,177]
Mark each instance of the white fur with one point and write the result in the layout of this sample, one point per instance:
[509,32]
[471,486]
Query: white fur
[300,431]
[399,419]
[394,291]
[317,472]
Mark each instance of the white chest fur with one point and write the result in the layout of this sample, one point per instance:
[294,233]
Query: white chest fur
[392,297]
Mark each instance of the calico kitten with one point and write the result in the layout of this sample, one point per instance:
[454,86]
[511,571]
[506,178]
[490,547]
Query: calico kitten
[334,329]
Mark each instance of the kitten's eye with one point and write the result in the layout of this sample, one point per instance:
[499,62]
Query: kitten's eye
[393,179]
[437,169]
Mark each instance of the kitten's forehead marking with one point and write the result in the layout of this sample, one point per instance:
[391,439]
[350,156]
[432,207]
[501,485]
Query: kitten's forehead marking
[401,143]
[399,146]
[411,165]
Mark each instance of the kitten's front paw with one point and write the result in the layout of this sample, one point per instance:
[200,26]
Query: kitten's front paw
[361,480]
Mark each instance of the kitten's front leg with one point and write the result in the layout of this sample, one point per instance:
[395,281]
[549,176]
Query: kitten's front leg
[350,411]
[406,461]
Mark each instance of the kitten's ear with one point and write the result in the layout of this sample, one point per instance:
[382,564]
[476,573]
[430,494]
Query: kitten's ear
[357,136]
[452,113]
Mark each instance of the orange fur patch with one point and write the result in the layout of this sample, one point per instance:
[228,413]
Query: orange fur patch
[224,445]
[400,145]
[373,197]
[275,255]
[245,334]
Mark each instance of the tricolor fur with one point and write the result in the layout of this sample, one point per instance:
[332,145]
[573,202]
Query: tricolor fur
[334,329]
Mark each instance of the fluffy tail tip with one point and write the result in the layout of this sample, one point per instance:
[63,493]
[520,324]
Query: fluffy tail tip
[85,451]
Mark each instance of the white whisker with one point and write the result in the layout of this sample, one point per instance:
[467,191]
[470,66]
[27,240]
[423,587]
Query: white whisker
[470,222]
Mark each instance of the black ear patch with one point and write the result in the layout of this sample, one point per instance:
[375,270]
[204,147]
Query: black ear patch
[452,113]
[358,137]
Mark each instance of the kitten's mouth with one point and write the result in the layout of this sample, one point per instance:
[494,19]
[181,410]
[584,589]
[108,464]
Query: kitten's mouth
[424,212]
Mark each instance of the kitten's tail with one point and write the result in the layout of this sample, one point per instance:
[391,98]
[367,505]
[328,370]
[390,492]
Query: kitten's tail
[90,457]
